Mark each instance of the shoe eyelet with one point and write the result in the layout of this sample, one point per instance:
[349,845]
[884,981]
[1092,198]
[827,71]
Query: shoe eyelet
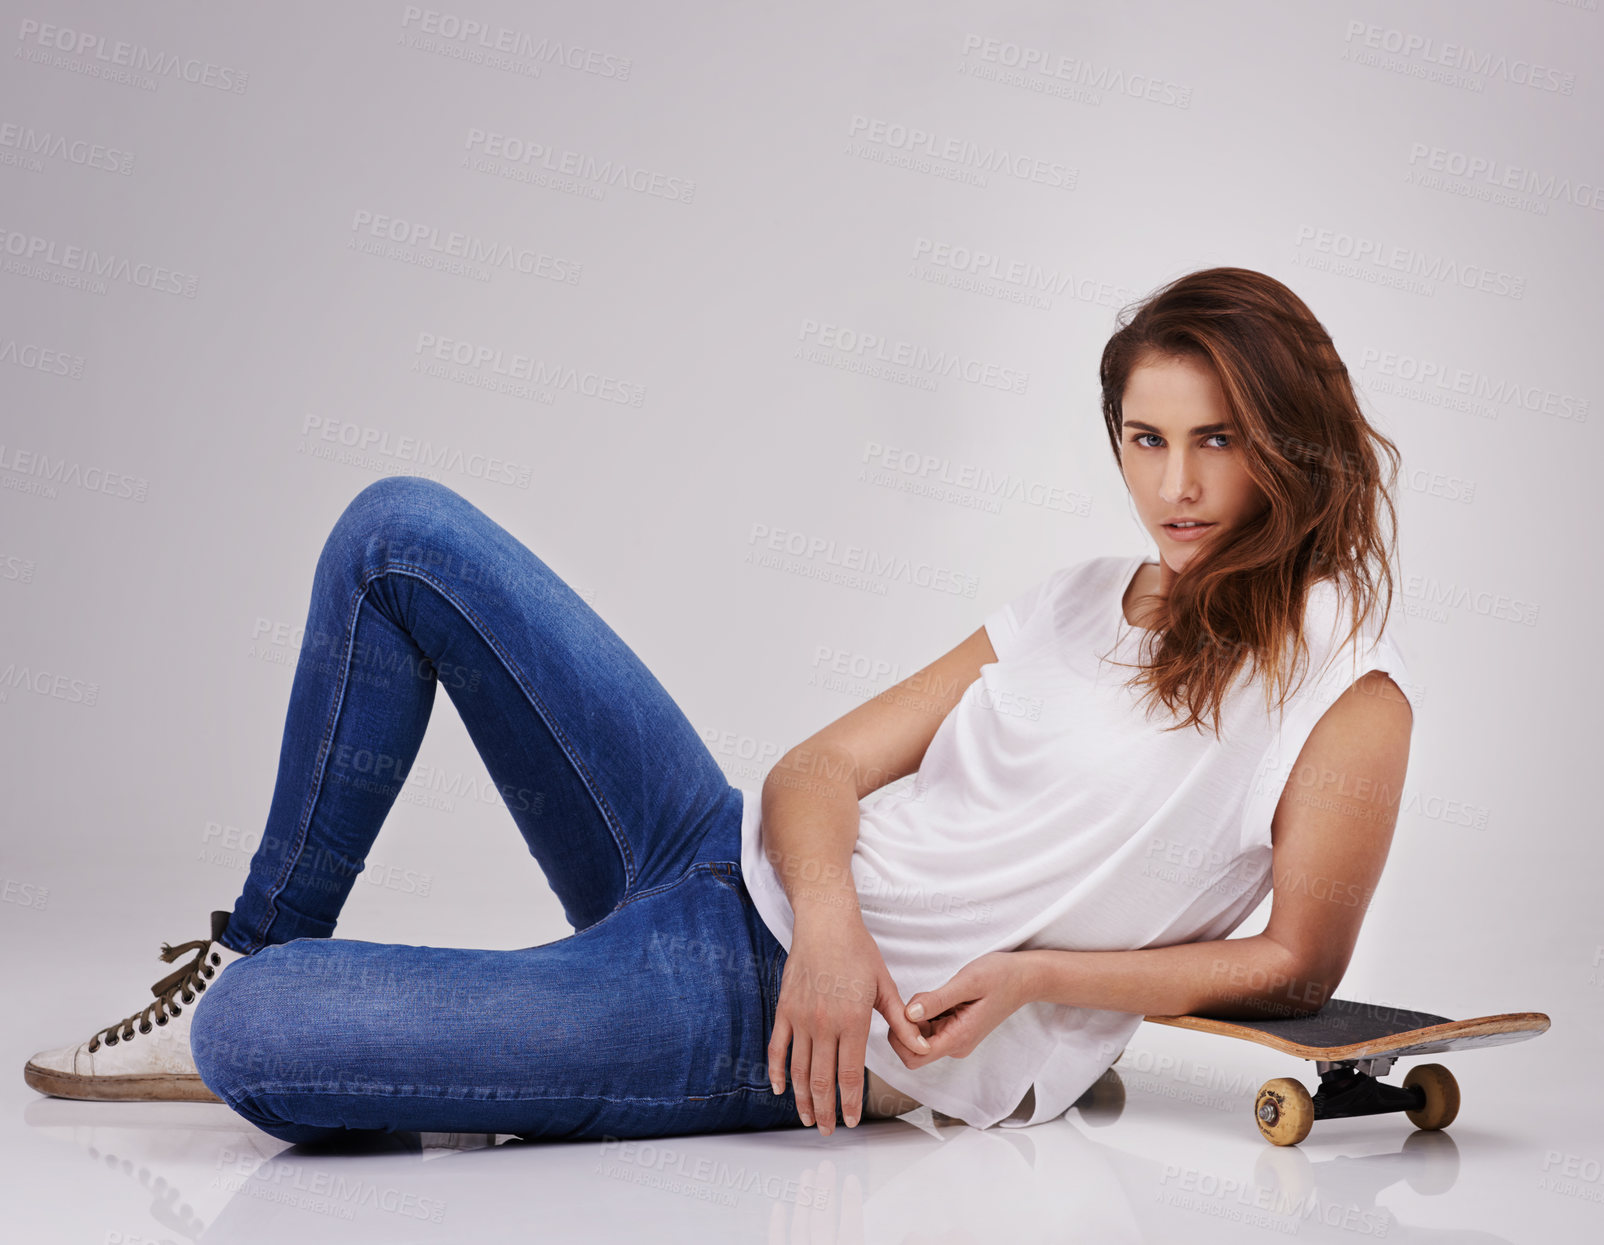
[188,998]
[208,973]
[93,1047]
[112,1040]
[177,1010]
[144,1028]
[161,1020]
[216,959]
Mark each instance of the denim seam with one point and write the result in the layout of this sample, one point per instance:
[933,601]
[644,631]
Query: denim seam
[720,870]
[701,866]
[315,787]
[764,975]
[293,858]
[371,1090]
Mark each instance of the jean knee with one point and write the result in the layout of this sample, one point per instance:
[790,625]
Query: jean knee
[396,519]
[218,1023]
[232,1047]
[402,493]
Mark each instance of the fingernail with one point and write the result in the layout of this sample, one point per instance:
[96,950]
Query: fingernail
[852,1121]
[915,1011]
[775,1086]
[923,1045]
[807,1121]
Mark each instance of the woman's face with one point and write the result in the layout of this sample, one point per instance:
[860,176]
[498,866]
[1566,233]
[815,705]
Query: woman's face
[1181,457]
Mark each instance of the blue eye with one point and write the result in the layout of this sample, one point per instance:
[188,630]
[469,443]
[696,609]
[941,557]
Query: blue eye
[1136,439]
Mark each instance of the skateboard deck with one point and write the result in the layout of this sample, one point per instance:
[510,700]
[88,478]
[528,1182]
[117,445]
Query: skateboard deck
[1354,1044]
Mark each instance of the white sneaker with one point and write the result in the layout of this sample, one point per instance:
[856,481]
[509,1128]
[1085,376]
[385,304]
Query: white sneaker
[144,1057]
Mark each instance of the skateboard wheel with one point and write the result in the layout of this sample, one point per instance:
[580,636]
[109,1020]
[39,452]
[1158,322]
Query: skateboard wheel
[1442,1095]
[1284,1111]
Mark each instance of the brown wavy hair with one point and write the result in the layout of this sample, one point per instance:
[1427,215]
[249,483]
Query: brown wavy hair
[1241,602]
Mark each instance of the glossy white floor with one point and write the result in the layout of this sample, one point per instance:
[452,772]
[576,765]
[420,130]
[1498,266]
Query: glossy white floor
[1181,1161]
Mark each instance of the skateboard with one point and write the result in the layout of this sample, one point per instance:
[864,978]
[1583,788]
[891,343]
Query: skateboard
[1353,1045]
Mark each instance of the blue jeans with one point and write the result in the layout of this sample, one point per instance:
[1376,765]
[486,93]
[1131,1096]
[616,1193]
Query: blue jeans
[651,1019]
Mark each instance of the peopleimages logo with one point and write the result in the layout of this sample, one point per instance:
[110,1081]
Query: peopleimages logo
[26,470]
[962,152]
[1430,377]
[1370,256]
[52,361]
[20,141]
[765,541]
[1459,57]
[509,41]
[899,352]
[428,238]
[96,56]
[1499,175]
[532,159]
[517,365]
[35,255]
[41,682]
[939,476]
[1076,70]
[366,439]
[1025,273]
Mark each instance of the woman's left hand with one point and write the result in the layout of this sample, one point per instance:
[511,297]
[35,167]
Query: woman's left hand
[973,1002]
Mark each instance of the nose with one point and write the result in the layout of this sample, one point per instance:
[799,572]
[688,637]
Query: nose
[1179,481]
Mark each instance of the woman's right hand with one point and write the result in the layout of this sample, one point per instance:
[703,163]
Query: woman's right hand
[834,978]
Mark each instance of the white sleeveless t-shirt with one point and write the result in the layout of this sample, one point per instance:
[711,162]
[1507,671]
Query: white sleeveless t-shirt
[1049,812]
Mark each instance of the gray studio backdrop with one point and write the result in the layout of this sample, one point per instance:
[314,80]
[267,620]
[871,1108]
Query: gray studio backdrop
[774,329]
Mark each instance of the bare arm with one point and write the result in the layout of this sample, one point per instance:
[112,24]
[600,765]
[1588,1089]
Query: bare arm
[1227,977]
[810,799]
[810,826]
[835,976]
[1331,833]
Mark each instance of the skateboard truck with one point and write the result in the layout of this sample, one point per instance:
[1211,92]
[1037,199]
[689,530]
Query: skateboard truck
[1286,1111]
[1350,1087]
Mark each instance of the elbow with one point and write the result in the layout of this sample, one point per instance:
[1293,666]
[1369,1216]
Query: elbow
[1300,985]
[1314,981]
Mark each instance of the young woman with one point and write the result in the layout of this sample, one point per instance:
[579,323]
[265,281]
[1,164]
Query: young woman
[1110,774]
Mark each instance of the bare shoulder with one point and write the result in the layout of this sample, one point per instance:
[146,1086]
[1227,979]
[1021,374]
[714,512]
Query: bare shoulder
[1373,705]
[1363,735]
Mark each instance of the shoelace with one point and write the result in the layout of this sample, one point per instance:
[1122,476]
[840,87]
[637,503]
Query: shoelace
[186,982]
